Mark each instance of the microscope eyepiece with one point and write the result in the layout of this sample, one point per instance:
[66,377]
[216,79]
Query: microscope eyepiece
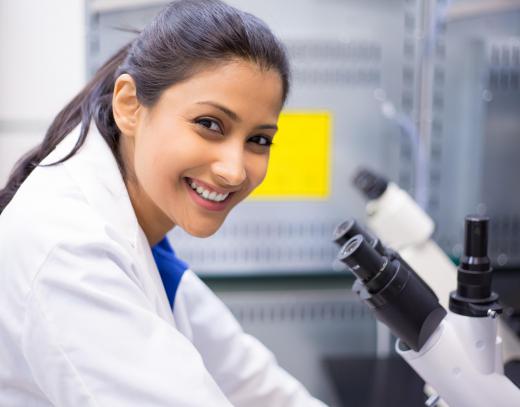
[370,184]
[475,259]
[350,228]
[473,296]
[350,247]
[476,236]
[344,231]
[364,261]
[397,296]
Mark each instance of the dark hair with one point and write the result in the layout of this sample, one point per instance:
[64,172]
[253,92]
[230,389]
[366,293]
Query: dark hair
[184,37]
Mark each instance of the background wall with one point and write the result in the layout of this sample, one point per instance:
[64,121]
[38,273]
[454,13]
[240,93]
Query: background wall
[42,54]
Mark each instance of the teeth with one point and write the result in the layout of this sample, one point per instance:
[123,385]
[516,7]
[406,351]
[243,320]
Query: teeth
[209,195]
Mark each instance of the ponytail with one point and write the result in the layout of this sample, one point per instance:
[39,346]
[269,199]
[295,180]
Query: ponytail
[93,102]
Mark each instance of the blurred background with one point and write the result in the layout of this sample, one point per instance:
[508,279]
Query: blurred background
[426,93]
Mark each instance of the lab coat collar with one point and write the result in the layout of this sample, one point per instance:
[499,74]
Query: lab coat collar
[95,170]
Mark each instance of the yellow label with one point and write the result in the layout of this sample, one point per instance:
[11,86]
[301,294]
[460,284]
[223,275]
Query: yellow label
[299,165]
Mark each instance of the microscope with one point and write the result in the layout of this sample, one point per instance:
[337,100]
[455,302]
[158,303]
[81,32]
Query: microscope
[456,352]
[401,224]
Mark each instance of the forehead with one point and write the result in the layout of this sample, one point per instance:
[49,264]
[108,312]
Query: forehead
[241,86]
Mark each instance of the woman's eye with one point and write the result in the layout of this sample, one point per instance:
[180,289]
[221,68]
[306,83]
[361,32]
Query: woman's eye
[262,140]
[210,124]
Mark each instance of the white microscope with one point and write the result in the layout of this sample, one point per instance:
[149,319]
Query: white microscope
[458,353]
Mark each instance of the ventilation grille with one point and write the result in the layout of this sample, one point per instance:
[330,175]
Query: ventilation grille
[501,151]
[335,62]
[300,312]
[504,79]
[504,73]
[255,246]
[504,239]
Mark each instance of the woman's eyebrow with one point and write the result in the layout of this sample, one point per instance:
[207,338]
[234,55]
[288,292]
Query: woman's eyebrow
[233,116]
[267,127]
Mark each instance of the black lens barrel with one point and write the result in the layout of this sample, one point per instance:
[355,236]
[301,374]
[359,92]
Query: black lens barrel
[473,296]
[476,236]
[398,297]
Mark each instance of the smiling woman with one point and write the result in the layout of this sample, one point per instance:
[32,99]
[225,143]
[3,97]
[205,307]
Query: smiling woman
[96,309]
[213,130]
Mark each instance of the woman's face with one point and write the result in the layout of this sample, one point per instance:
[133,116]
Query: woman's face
[202,148]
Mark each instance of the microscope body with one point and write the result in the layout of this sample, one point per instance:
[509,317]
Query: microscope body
[461,362]
[458,352]
[401,224]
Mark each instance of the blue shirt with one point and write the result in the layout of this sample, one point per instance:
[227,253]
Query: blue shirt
[171,268]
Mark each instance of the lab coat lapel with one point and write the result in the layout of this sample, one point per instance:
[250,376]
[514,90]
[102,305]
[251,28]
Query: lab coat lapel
[95,170]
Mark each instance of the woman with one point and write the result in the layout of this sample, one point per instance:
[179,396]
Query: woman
[174,130]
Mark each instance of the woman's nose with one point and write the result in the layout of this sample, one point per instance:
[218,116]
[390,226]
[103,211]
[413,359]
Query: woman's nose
[229,168]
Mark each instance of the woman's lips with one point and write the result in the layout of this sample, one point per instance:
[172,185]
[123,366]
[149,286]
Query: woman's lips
[206,204]
[208,186]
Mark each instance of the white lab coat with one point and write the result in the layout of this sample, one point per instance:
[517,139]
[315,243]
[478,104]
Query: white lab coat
[84,318]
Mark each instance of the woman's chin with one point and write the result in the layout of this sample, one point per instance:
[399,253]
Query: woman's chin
[201,231]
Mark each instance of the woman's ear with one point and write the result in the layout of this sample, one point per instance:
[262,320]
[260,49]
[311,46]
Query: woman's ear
[125,105]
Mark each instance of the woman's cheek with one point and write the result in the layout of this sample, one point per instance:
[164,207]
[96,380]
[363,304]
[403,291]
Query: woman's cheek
[260,170]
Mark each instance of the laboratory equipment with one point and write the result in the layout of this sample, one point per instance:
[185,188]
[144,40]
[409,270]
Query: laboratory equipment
[457,353]
[400,223]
